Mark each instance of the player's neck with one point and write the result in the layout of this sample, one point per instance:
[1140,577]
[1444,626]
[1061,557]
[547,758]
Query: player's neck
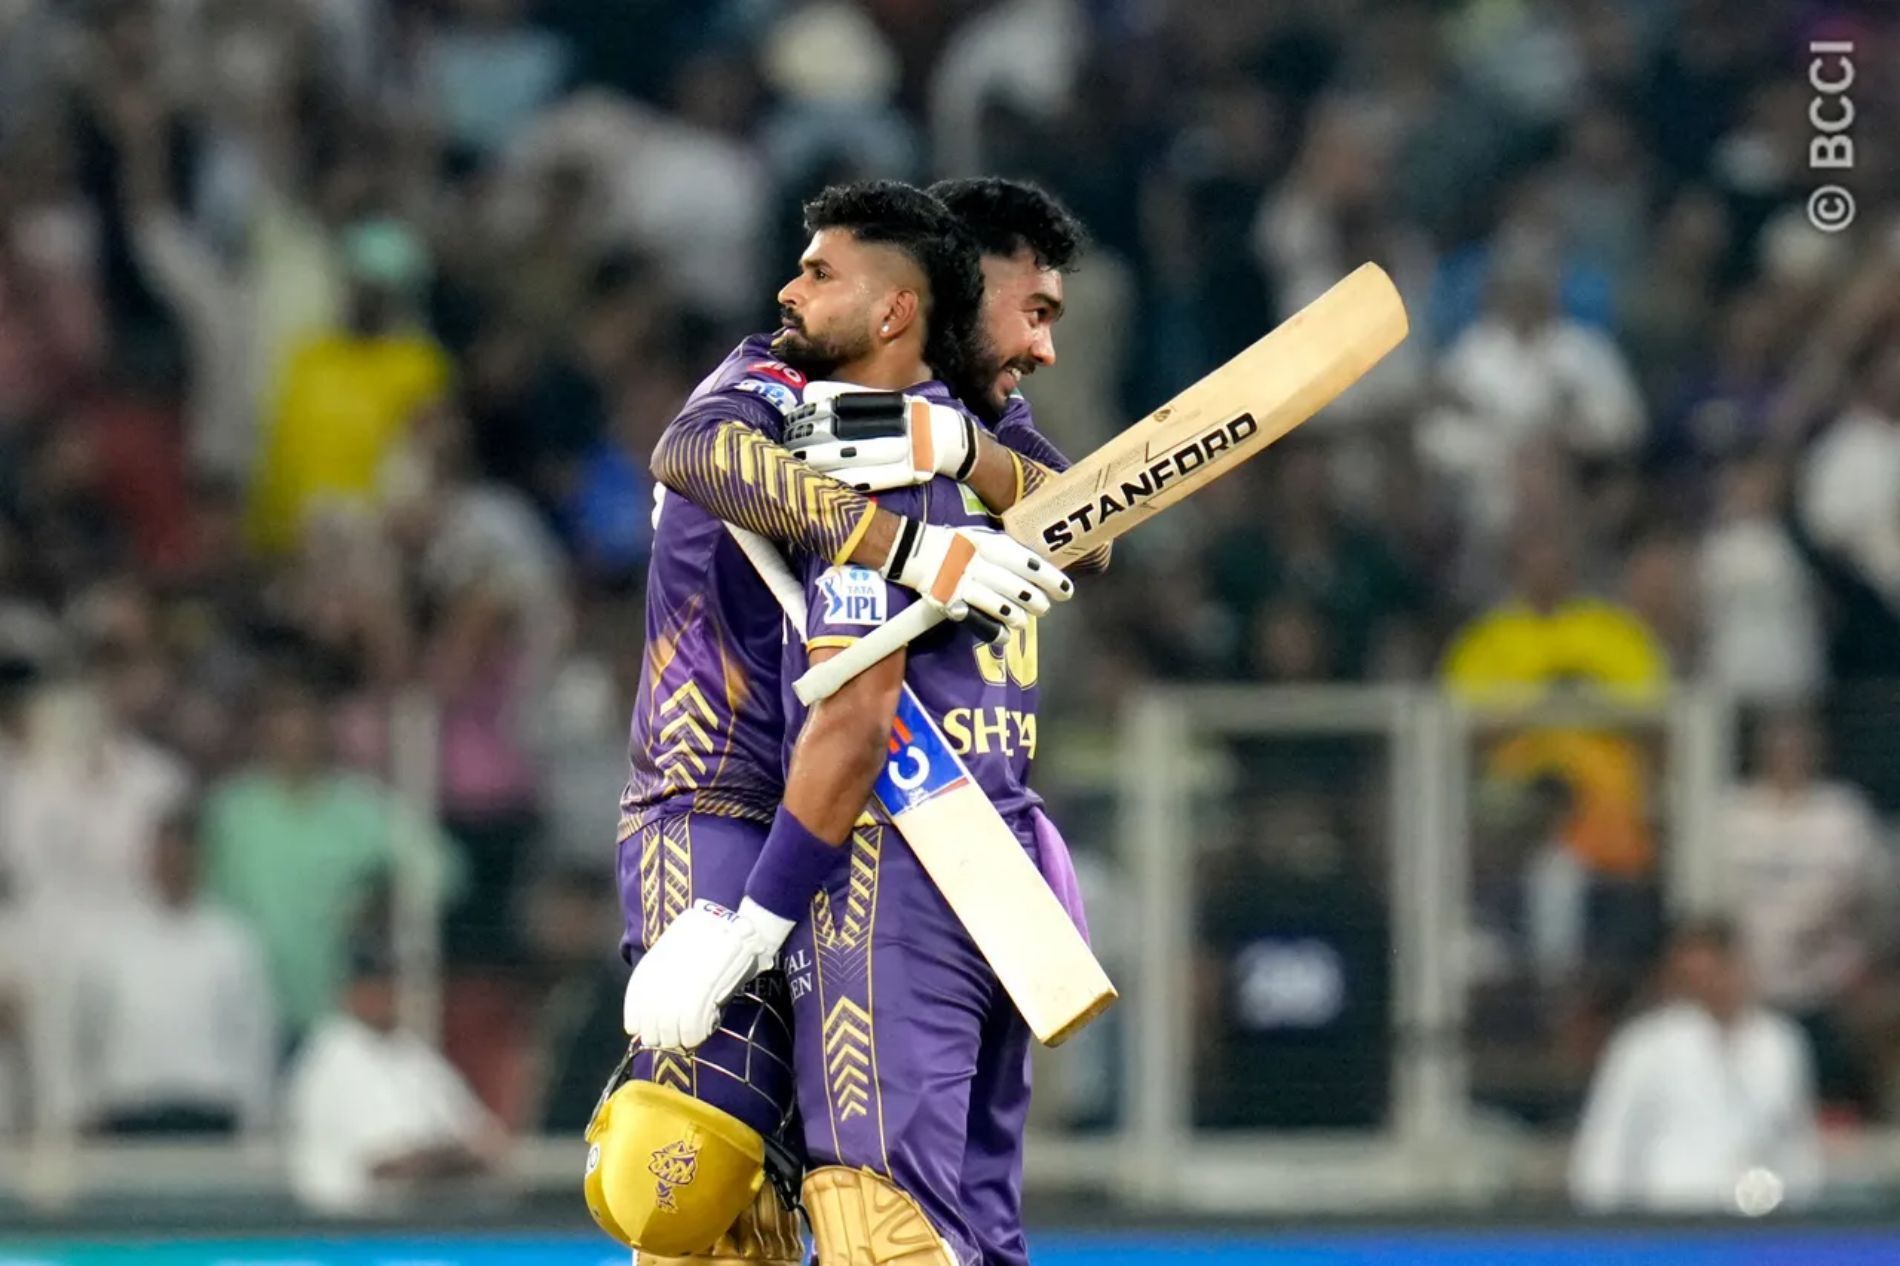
[885,371]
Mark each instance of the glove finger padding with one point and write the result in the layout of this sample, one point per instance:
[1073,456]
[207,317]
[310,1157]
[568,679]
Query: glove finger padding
[1035,571]
[996,593]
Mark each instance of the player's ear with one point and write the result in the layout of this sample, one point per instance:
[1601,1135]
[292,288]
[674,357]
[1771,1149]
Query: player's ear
[900,313]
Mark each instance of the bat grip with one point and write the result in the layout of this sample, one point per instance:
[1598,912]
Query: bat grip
[821,681]
[992,631]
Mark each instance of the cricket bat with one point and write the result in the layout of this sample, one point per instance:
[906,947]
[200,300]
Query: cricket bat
[970,854]
[1221,421]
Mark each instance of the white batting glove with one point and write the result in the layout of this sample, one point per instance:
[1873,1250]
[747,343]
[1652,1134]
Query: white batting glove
[879,440]
[960,570]
[705,954]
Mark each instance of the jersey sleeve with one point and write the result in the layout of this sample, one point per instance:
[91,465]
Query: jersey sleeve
[722,453]
[1037,458]
[844,602]
[1017,431]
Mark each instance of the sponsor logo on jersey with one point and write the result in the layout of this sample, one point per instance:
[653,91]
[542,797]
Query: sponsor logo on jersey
[921,765]
[779,370]
[1130,491]
[776,394]
[853,595]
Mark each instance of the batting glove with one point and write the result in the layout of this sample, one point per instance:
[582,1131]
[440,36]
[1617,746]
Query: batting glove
[705,954]
[960,570]
[879,440]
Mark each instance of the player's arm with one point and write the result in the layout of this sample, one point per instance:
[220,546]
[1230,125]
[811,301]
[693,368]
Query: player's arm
[737,472]
[677,989]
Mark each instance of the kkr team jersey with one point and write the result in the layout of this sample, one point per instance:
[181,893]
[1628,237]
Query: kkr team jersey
[709,719]
[984,698]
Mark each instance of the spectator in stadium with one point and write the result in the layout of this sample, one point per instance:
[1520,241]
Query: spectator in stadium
[351,395]
[83,804]
[1761,618]
[1704,1104]
[1522,371]
[376,1119]
[171,1028]
[493,581]
[1850,493]
[1811,887]
[294,845]
[1550,639]
[486,73]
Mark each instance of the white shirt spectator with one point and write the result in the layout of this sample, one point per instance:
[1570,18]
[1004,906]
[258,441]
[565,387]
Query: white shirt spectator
[172,1008]
[1510,387]
[359,1097]
[1682,1110]
[1761,620]
[1802,870]
[1024,52]
[1850,496]
[696,200]
[77,824]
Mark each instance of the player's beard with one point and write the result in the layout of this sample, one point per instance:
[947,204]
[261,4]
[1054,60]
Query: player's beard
[818,354]
[992,389]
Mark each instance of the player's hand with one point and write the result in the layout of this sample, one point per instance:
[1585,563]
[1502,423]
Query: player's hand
[960,570]
[879,440]
[707,952]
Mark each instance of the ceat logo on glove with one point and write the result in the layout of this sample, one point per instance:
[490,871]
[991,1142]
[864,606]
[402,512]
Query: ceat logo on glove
[853,595]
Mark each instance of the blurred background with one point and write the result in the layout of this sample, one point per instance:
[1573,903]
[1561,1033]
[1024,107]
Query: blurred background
[334,335]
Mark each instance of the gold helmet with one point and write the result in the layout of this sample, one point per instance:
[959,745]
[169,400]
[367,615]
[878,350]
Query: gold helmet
[669,1174]
[666,1173]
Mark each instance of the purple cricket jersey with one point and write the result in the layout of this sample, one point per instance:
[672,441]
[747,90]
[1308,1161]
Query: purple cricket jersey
[983,697]
[707,721]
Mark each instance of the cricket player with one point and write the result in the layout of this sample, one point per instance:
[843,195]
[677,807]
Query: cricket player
[709,726]
[911,1064]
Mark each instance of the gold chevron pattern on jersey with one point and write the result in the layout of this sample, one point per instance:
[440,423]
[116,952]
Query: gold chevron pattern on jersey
[666,873]
[746,478]
[683,742]
[850,1063]
[674,1069]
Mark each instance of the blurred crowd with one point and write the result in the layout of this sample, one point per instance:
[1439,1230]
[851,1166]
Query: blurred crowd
[334,335]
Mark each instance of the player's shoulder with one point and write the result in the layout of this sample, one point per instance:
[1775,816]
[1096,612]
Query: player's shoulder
[751,368]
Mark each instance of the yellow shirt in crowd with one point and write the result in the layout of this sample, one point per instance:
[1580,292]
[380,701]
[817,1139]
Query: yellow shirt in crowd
[345,405]
[1516,654]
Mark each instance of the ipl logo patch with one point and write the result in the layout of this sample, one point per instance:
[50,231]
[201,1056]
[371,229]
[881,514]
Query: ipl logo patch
[853,595]
[675,1165]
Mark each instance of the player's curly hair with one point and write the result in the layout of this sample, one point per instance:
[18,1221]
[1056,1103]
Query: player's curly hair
[1006,215]
[905,217]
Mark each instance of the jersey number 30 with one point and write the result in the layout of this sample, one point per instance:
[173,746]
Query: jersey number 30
[1016,660]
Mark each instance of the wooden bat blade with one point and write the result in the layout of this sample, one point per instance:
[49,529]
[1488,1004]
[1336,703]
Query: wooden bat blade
[980,868]
[972,857]
[1227,417]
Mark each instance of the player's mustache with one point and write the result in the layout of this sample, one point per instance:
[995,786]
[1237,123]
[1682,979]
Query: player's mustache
[790,320]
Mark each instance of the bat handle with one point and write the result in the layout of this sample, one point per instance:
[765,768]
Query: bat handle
[994,632]
[821,681]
